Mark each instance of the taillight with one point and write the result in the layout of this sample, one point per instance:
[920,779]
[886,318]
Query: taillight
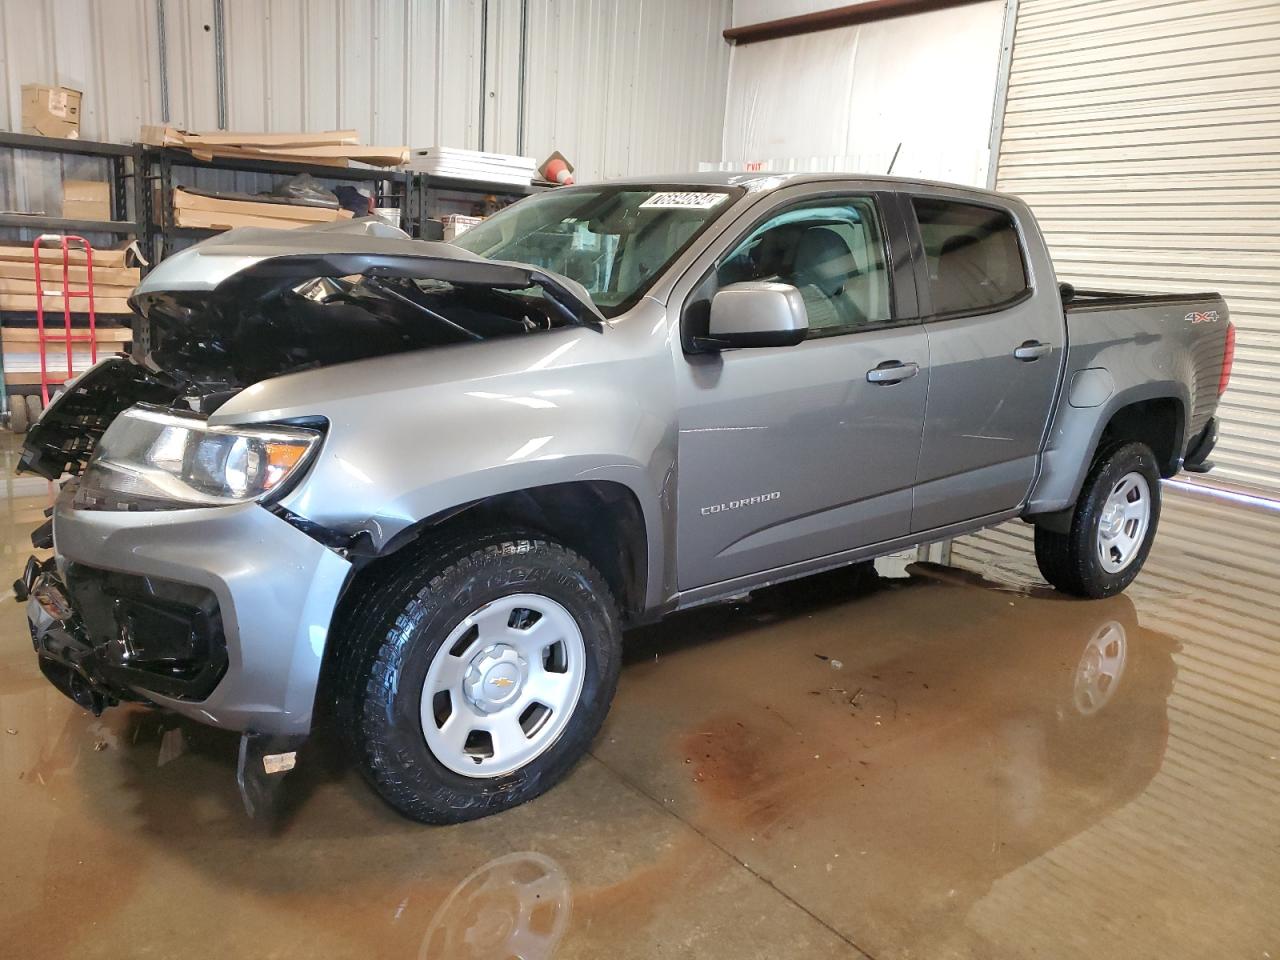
[1228,358]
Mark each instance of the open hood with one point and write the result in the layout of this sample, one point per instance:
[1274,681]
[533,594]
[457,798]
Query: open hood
[348,248]
[252,304]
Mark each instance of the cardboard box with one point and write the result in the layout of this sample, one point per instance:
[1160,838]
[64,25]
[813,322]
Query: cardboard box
[50,111]
[86,200]
[456,224]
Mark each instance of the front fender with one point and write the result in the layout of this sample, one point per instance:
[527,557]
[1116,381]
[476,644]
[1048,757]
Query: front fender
[413,436]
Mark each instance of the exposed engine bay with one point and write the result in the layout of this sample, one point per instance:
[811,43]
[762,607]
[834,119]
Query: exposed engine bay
[255,304]
[252,330]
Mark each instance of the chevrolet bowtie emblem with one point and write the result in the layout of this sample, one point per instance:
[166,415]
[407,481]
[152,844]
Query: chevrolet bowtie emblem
[502,681]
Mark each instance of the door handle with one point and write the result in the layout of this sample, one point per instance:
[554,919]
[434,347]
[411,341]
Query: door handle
[1032,350]
[892,371]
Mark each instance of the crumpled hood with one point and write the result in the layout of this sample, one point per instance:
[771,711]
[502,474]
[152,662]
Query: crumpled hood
[346,248]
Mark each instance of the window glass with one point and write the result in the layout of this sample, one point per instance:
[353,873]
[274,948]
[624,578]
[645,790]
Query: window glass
[613,240]
[973,254]
[832,251]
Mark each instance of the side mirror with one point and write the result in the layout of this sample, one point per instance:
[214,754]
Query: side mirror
[1066,291]
[756,314]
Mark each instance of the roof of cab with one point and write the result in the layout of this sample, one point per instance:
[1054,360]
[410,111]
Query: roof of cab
[760,181]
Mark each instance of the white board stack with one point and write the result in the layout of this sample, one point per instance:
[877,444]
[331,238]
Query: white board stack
[474,165]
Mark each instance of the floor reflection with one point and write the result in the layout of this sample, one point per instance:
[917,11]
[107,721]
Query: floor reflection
[915,761]
[517,905]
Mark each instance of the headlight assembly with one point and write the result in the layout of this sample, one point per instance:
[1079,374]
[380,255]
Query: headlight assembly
[151,458]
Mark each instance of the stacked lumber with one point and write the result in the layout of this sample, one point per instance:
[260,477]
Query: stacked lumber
[113,282]
[22,352]
[331,148]
[193,209]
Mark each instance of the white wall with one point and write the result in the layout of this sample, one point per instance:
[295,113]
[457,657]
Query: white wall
[747,12]
[618,86]
[844,99]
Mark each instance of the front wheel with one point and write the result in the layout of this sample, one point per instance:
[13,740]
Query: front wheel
[1112,529]
[478,673]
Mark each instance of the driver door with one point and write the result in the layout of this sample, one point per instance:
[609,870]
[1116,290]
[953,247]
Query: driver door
[791,454]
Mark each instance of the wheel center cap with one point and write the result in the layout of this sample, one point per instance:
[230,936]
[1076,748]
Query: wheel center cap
[494,677]
[1112,518]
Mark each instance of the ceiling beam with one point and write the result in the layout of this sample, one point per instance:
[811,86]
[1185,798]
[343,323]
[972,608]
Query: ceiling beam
[854,13]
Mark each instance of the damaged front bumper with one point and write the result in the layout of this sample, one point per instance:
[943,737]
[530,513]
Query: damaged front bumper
[220,614]
[65,657]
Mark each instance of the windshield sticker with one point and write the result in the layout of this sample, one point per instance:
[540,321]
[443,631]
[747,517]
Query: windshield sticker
[683,201]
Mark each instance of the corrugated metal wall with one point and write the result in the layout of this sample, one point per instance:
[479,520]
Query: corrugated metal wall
[399,71]
[105,48]
[625,87]
[618,86]
[1147,139]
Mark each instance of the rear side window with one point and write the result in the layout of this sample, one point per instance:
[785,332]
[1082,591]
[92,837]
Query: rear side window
[973,254]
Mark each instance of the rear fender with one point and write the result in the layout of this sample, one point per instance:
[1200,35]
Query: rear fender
[1076,433]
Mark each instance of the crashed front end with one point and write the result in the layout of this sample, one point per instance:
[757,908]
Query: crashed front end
[177,580]
[174,583]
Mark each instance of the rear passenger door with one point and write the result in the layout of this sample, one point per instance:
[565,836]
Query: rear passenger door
[995,350]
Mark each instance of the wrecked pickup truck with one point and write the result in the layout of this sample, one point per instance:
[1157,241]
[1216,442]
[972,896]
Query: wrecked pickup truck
[422,487]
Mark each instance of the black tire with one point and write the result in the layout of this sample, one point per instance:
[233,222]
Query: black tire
[18,414]
[394,631]
[34,409]
[1070,561]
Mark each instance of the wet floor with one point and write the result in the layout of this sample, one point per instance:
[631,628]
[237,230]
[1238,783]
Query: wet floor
[930,762]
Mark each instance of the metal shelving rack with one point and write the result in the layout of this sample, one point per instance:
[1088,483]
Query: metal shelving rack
[426,201]
[158,165]
[124,165]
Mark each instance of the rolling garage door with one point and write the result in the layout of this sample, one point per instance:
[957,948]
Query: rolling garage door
[1146,136]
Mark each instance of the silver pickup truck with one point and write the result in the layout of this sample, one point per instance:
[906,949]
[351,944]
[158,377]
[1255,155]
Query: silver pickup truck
[422,487]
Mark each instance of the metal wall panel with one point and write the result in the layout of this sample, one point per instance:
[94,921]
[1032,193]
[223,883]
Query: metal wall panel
[104,48]
[398,71]
[619,86]
[1147,139]
[624,86]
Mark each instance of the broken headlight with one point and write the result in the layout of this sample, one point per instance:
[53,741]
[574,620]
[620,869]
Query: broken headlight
[155,459]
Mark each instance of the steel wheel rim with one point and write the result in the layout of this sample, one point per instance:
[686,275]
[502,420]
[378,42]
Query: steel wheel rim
[1101,665]
[503,686]
[1123,522]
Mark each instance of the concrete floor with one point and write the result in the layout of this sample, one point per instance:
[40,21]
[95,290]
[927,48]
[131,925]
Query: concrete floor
[946,763]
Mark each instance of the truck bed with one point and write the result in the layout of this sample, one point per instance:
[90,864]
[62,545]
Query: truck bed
[1086,300]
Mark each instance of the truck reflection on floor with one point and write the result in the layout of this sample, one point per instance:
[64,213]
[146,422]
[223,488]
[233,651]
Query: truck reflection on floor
[518,905]
[949,730]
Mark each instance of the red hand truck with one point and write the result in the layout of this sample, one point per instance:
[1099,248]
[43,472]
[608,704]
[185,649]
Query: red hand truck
[43,336]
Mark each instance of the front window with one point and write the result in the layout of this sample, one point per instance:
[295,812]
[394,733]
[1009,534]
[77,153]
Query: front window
[614,240]
[832,251]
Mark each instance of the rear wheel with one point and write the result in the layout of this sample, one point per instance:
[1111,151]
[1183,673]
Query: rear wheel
[478,673]
[1112,529]
[18,414]
[34,409]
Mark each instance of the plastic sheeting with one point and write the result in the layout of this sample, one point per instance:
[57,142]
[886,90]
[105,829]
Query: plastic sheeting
[845,99]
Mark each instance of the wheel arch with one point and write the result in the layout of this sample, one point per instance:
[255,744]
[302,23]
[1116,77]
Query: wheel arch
[1154,414]
[603,520]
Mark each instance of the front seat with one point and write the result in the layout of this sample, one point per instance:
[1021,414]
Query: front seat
[823,269]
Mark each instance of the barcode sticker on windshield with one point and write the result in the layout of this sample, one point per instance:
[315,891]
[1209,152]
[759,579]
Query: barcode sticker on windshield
[683,200]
